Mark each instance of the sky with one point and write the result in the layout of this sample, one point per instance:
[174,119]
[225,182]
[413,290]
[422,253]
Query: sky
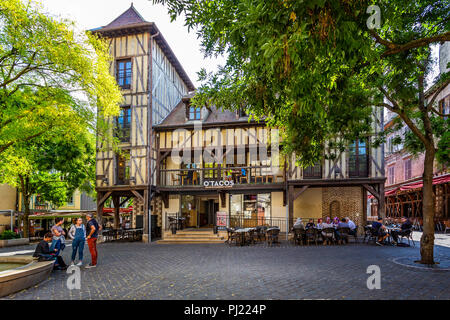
[89,14]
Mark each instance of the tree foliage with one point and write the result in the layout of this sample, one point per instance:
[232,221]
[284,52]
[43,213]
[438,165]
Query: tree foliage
[318,68]
[50,75]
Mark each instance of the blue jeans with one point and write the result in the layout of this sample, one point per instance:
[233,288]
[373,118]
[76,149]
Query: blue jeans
[78,244]
[56,244]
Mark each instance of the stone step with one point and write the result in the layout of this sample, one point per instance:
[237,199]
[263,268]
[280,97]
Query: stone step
[189,241]
[193,235]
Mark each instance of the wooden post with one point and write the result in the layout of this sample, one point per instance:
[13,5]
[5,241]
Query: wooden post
[146,233]
[291,207]
[381,202]
[100,208]
[116,202]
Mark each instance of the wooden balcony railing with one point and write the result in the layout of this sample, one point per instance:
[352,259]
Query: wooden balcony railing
[202,176]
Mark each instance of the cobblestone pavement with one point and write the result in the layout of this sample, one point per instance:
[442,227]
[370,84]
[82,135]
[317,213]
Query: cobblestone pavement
[216,271]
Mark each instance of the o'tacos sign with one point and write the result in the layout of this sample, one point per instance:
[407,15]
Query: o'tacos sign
[220,183]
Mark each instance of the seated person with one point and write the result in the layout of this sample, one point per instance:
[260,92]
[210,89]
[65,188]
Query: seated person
[299,224]
[342,224]
[43,252]
[404,229]
[327,224]
[351,225]
[380,230]
[319,224]
[310,224]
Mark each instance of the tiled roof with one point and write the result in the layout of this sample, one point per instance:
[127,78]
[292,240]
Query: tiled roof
[177,118]
[131,22]
[131,16]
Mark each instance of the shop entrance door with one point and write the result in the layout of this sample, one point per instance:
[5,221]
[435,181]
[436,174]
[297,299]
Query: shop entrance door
[208,208]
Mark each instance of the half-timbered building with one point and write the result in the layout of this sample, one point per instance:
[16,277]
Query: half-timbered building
[152,82]
[219,168]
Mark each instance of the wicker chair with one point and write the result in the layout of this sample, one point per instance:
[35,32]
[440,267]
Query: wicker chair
[260,233]
[299,235]
[370,234]
[272,236]
[311,235]
[231,236]
[408,235]
[343,234]
[328,235]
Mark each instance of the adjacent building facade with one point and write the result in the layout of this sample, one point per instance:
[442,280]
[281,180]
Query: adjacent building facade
[404,171]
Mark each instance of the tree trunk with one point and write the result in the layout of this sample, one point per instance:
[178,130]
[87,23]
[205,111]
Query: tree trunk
[26,222]
[427,240]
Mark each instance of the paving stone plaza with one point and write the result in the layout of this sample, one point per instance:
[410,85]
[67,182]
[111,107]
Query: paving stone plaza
[217,271]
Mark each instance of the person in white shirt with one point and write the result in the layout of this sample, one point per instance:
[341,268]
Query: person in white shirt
[299,224]
[351,224]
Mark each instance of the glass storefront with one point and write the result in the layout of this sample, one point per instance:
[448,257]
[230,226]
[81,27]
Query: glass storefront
[250,208]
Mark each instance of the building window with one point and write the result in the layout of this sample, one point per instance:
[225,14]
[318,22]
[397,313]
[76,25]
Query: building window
[123,124]
[194,113]
[124,71]
[70,200]
[358,159]
[407,164]
[123,168]
[313,172]
[252,208]
[444,107]
[391,175]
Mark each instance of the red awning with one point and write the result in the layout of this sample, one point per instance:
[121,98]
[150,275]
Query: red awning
[122,210]
[415,185]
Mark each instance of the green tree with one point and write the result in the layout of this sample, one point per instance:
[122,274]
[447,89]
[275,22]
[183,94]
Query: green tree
[44,64]
[51,168]
[317,69]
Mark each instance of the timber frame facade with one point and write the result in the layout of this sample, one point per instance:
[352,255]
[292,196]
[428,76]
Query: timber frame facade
[254,187]
[152,82]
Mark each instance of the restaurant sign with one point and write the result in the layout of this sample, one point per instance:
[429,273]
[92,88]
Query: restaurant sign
[215,183]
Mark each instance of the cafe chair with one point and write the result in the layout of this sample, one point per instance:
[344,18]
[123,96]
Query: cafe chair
[272,236]
[328,235]
[311,235]
[408,235]
[231,236]
[299,235]
[259,179]
[175,179]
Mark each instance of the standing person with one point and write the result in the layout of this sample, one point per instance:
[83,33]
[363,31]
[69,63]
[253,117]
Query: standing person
[92,230]
[59,241]
[78,234]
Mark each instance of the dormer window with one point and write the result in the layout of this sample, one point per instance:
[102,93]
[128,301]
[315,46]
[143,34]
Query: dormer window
[124,71]
[194,113]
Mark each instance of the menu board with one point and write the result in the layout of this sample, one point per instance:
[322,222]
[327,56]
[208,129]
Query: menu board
[221,220]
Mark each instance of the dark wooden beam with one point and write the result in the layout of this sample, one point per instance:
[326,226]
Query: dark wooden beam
[372,191]
[138,195]
[223,200]
[299,192]
[104,198]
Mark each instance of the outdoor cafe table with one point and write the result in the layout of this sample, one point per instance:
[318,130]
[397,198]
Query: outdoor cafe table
[389,229]
[241,233]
